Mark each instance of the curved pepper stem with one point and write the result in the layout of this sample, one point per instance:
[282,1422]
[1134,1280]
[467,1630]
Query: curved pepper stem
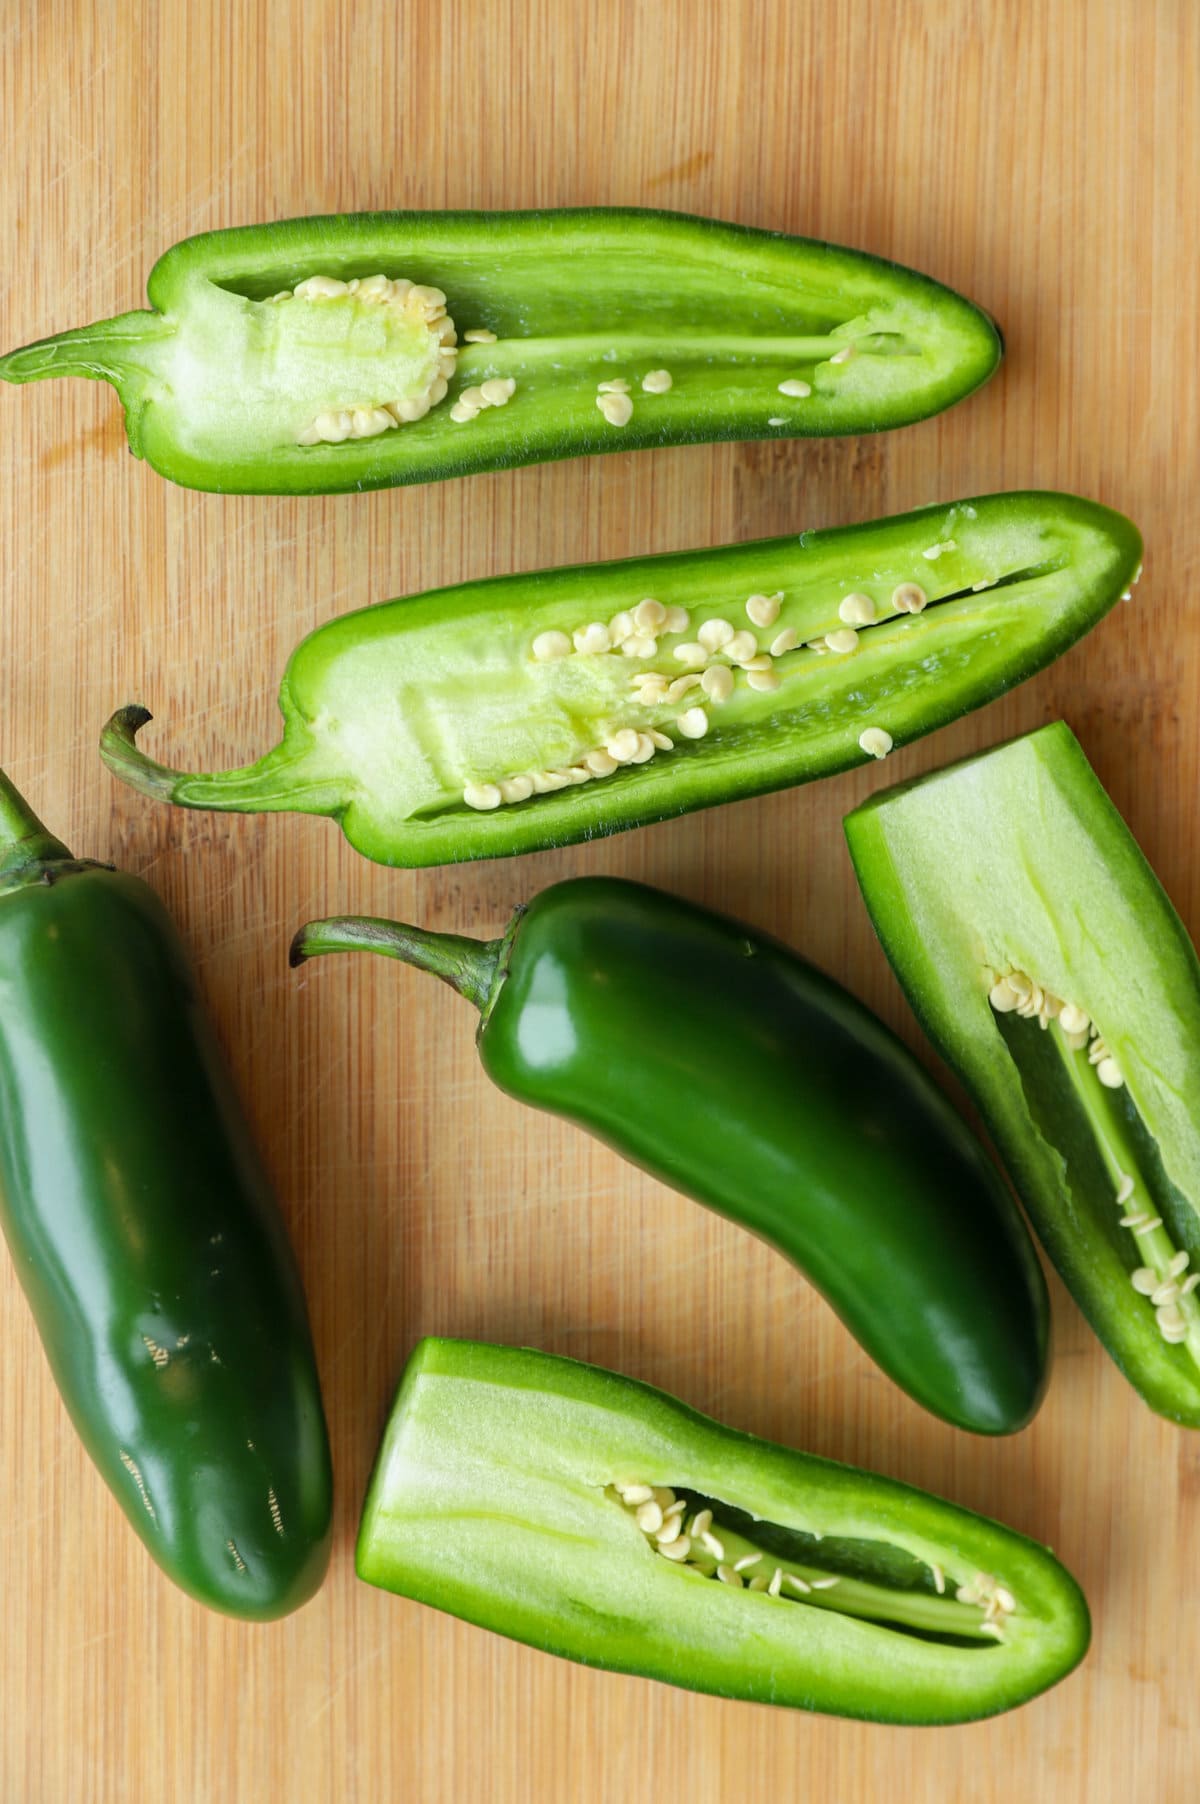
[24,841]
[468,966]
[287,777]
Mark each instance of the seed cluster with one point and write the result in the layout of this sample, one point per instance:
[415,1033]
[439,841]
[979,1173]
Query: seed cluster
[1016,992]
[615,401]
[660,1516]
[710,661]
[1164,1282]
[996,1601]
[497,391]
[859,610]
[426,305]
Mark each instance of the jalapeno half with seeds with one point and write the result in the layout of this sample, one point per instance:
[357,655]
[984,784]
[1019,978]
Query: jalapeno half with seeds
[364,349]
[531,711]
[596,1518]
[719,1061]
[1048,967]
[143,1229]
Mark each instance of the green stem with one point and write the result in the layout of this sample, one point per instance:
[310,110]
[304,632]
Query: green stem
[24,841]
[107,351]
[469,966]
[279,781]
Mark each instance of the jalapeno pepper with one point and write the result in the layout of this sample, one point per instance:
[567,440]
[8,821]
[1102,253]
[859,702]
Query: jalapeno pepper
[363,349]
[719,1061]
[531,711]
[143,1229]
[594,1517]
[1050,970]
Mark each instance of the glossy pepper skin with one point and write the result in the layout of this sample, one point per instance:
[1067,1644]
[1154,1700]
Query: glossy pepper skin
[1017,862]
[720,1062]
[393,713]
[222,380]
[143,1229]
[497,1496]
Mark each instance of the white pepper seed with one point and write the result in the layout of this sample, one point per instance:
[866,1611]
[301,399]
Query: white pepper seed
[797,1583]
[670,1531]
[1165,1293]
[693,724]
[795,385]
[844,355]
[545,782]
[1178,1265]
[601,764]
[616,385]
[762,680]
[623,745]
[656,382]
[617,409]
[728,1576]
[635,1494]
[649,1517]
[677,621]
[645,749]
[710,1543]
[663,741]
[479,335]
[763,610]
[785,641]
[516,789]
[743,645]
[1074,1020]
[700,1523]
[482,795]
[679,1549]
[498,391]
[1144,1281]
[909,598]
[776,1584]
[591,640]
[682,685]
[747,1560]
[1108,1071]
[877,743]
[844,639]
[939,1580]
[717,683]
[713,635]
[551,645]
[462,411]
[649,616]
[690,654]
[856,610]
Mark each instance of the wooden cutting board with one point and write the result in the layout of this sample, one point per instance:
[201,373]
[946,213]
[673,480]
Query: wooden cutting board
[1044,159]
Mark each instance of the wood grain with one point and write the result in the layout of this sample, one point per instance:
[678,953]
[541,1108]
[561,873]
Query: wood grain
[1044,159]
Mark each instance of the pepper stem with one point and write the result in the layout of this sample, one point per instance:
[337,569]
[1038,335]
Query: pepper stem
[107,351]
[468,966]
[23,839]
[286,778]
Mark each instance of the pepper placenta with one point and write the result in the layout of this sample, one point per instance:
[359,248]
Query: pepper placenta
[359,350]
[1050,970]
[720,1062]
[143,1229]
[531,711]
[596,1518]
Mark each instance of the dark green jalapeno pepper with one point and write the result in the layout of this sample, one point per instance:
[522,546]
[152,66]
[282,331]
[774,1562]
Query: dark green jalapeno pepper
[364,349]
[596,1518]
[143,1229]
[535,710]
[1050,970]
[719,1061]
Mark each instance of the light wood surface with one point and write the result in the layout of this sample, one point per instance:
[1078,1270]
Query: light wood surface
[1042,158]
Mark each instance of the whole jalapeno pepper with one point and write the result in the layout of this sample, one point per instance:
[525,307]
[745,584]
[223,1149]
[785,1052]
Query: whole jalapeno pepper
[721,1062]
[144,1232]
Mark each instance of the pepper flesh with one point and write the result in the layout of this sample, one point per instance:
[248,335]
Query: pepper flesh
[143,1229]
[222,380]
[720,1062]
[1017,861]
[396,714]
[496,1497]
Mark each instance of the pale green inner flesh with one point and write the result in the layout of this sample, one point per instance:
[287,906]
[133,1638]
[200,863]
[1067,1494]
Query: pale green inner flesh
[410,717]
[247,370]
[1105,1145]
[873,1581]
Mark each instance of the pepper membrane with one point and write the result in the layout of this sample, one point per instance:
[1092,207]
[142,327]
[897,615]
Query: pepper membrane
[719,1061]
[535,710]
[142,1226]
[1052,973]
[596,1518]
[358,350]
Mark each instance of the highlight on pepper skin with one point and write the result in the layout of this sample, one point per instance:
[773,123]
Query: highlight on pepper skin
[537,710]
[354,351]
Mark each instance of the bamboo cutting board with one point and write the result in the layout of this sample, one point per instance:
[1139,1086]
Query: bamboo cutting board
[1043,159]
